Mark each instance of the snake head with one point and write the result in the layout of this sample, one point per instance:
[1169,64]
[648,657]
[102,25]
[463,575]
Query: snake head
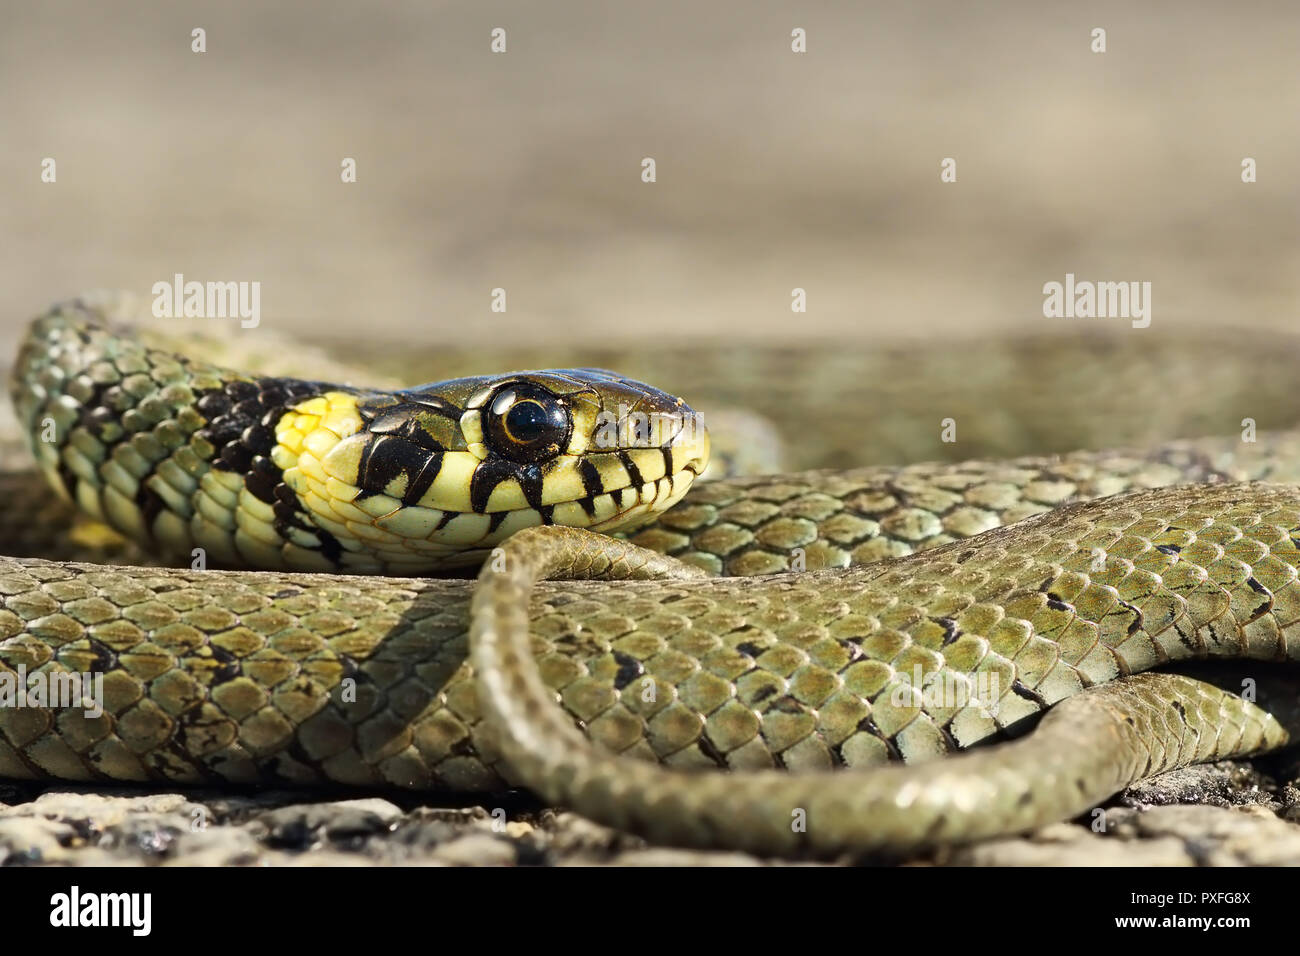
[431,477]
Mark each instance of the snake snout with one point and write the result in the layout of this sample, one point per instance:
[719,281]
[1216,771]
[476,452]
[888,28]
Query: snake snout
[646,449]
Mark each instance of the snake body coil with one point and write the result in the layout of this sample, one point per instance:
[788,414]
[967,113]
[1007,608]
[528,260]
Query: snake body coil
[294,676]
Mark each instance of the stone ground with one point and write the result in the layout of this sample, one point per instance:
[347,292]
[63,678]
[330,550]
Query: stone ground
[1230,814]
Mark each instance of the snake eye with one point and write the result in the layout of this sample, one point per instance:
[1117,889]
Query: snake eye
[527,423]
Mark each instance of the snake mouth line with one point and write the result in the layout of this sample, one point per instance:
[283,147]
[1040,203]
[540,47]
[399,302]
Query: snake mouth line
[643,502]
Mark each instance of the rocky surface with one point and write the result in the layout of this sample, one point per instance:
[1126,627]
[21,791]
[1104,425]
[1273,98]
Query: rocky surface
[1223,814]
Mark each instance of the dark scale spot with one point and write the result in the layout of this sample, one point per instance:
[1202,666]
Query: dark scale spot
[1136,623]
[286,507]
[289,835]
[949,741]
[531,481]
[262,479]
[105,659]
[591,482]
[241,391]
[329,545]
[229,667]
[274,392]
[97,419]
[68,478]
[258,438]
[1261,609]
[1169,548]
[548,514]
[486,477]
[100,408]
[235,457]
[289,514]
[892,743]
[495,519]
[629,669]
[1256,586]
[1182,711]
[1020,690]
[150,504]
[219,436]
[710,750]
[250,409]
[750,648]
[286,593]
[418,486]
[764,692]
[386,458]
[950,630]
[212,405]
[634,473]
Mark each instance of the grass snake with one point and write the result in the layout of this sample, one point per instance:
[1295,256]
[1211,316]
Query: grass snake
[806,631]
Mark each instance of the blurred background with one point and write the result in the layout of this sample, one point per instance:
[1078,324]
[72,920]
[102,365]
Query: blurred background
[775,170]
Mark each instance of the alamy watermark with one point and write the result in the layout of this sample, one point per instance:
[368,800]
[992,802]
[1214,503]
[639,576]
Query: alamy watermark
[1101,300]
[53,690]
[133,911]
[208,300]
[625,428]
[944,689]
